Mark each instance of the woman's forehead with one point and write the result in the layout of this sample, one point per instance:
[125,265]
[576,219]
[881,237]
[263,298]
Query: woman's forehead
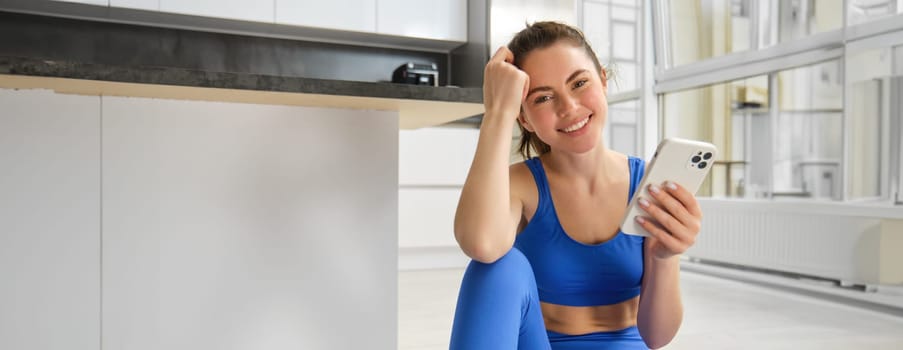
[557,61]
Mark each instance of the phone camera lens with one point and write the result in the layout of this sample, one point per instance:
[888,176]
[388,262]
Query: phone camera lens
[702,165]
[707,156]
[696,159]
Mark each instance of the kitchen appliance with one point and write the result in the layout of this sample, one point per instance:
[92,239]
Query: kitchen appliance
[417,74]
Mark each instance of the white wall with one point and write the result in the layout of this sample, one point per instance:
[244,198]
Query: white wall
[223,226]
[507,17]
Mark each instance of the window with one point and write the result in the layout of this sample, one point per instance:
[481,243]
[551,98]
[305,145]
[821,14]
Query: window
[798,106]
[862,11]
[703,29]
[788,148]
[621,130]
[869,75]
[733,116]
[874,111]
[745,165]
[797,19]
[897,110]
[613,30]
[809,133]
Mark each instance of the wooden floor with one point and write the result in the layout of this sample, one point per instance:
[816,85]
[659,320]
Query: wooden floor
[719,314]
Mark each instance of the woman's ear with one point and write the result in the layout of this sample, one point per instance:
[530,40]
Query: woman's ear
[604,76]
[523,122]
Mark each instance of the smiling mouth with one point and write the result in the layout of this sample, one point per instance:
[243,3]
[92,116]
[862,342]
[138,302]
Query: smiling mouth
[576,126]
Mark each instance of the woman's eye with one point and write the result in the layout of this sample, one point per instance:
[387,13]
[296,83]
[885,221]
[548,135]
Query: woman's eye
[542,99]
[580,83]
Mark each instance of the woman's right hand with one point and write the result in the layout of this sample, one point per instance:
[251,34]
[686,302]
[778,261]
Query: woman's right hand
[504,85]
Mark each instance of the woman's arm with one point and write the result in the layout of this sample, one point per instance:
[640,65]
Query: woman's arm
[679,217]
[488,214]
[661,308]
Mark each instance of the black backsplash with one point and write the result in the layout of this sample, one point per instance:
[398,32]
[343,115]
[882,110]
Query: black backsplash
[52,38]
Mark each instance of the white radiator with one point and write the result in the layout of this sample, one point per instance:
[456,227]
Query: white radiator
[850,243]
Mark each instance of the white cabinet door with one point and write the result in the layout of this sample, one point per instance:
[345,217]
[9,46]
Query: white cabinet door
[439,19]
[49,221]
[151,5]
[433,164]
[248,10]
[435,156]
[426,216]
[239,226]
[353,15]
[89,2]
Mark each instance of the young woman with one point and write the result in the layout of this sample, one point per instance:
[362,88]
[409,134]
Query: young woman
[551,268]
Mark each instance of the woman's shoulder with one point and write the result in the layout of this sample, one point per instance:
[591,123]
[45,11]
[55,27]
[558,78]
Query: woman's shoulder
[619,158]
[521,180]
[519,170]
[632,159]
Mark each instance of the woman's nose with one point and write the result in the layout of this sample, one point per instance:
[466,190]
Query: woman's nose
[566,105]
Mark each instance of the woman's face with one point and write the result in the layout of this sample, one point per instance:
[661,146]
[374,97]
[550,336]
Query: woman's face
[565,105]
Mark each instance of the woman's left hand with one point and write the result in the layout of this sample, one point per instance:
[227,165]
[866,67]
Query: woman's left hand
[679,219]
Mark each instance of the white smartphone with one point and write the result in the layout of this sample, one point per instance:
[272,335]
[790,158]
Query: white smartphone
[682,161]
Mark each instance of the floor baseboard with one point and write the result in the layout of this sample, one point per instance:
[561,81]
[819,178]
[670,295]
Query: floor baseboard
[424,258]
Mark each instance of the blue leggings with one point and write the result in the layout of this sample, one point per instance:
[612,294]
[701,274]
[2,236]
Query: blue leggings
[498,309]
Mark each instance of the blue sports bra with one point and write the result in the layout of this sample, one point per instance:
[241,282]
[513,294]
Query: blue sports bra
[572,273]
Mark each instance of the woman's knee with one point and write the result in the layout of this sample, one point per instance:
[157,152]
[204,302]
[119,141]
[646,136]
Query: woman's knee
[511,270]
[498,306]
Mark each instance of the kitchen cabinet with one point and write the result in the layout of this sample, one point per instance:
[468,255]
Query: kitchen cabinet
[439,20]
[247,226]
[150,5]
[433,164]
[436,156]
[247,10]
[89,2]
[427,217]
[352,15]
[49,220]
[435,26]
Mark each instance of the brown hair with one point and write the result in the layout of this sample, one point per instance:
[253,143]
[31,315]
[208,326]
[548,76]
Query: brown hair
[537,36]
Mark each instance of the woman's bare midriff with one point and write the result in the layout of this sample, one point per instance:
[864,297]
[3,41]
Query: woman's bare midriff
[576,320]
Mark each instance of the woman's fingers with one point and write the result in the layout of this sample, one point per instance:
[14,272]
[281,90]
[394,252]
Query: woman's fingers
[675,218]
[664,219]
[504,86]
[503,54]
[671,244]
[669,198]
[685,197]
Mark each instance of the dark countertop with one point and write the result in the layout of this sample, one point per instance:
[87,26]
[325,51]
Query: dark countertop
[417,106]
[116,59]
[226,80]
